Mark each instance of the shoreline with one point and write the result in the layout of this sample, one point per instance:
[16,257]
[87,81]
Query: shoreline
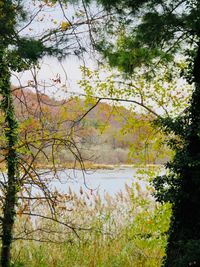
[95,166]
[89,166]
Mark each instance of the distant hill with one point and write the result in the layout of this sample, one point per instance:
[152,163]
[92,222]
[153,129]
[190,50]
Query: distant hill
[107,134]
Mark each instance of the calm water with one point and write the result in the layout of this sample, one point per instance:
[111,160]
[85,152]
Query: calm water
[111,181]
[102,181]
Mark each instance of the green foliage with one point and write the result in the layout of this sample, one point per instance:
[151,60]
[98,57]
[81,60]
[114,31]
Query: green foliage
[164,93]
[31,49]
[125,230]
[154,35]
[119,6]
[160,32]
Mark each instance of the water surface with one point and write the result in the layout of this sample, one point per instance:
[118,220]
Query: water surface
[111,181]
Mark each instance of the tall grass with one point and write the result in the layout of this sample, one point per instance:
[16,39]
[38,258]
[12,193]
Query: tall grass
[128,230]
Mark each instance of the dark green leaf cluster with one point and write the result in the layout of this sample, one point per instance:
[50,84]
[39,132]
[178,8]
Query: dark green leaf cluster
[31,49]
[27,52]
[120,6]
[160,30]
[20,52]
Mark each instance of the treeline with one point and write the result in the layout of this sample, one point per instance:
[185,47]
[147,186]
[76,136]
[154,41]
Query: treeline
[106,135]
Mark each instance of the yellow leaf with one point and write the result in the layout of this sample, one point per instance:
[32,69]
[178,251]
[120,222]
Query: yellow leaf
[65,25]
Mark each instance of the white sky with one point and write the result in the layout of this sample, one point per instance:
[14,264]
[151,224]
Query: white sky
[69,72]
[50,68]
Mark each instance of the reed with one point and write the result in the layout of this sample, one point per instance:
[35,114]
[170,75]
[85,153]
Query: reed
[128,229]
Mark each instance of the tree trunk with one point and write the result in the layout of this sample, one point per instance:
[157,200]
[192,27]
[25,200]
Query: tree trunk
[183,247]
[12,185]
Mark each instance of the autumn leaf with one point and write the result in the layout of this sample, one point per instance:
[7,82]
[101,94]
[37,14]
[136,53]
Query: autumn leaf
[65,25]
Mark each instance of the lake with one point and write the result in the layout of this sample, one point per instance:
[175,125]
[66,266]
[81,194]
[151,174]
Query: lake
[111,181]
[92,181]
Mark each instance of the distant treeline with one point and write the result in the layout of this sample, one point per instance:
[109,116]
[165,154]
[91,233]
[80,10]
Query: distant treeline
[106,135]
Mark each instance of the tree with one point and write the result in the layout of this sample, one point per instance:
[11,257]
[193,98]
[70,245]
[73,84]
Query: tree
[153,33]
[159,98]
[21,48]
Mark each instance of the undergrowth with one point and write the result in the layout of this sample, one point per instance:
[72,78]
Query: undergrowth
[127,230]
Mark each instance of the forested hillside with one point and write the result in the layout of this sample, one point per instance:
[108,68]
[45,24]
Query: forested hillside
[106,135]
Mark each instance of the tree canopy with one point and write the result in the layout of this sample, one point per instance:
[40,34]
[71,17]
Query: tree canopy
[152,34]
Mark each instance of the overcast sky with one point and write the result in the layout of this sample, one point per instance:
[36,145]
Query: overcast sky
[50,68]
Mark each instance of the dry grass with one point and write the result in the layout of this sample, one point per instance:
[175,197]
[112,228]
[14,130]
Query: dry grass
[122,231]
